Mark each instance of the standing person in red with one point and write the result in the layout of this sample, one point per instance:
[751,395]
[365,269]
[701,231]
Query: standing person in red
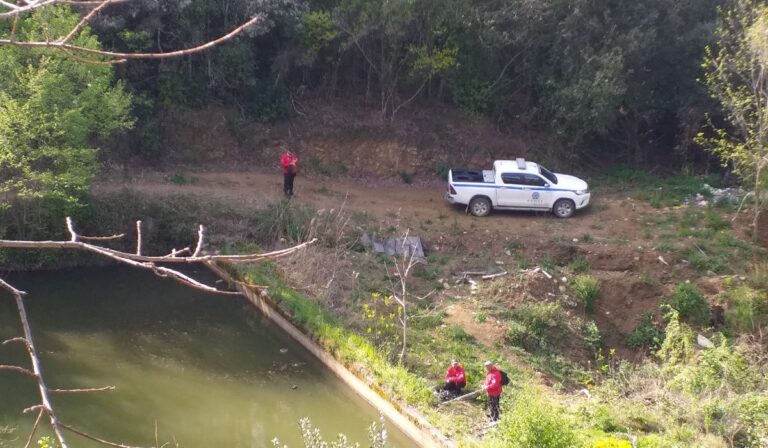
[455,378]
[493,388]
[290,164]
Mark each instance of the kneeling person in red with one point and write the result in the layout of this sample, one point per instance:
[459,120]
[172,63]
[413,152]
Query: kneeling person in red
[493,386]
[455,378]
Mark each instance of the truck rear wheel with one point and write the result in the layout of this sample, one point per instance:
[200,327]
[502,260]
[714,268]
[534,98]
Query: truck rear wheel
[564,208]
[480,207]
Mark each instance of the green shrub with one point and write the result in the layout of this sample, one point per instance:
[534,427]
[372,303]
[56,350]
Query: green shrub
[646,334]
[586,289]
[591,334]
[532,326]
[719,367]
[677,347]
[531,422]
[689,303]
[748,310]
[579,265]
[753,417]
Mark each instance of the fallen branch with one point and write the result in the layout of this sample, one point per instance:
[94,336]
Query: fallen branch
[492,276]
[469,395]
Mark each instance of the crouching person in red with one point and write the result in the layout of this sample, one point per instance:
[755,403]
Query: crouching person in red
[455,379]
[492,387]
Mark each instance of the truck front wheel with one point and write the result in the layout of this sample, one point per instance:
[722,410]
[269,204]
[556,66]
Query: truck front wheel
[480,206]
[564,208]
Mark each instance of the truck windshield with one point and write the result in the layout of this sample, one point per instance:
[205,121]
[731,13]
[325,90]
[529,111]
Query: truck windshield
[548,174]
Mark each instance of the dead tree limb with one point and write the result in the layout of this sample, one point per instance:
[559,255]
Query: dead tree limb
[18,296]
[34,428]
[77,391]
[18,369]
[111,57]
[95,439]
[150,262]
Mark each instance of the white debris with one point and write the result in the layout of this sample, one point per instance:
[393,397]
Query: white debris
[702,341]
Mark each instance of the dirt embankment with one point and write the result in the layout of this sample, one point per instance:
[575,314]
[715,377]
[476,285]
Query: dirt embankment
[340,138]
[609,236]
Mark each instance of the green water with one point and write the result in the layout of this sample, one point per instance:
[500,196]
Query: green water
[205,370]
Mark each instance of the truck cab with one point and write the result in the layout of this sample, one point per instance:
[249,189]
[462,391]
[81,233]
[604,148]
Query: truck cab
[517,185]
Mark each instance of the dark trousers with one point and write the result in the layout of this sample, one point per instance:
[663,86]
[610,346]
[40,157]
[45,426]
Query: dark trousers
[450,386]
[288,183]
[493,407]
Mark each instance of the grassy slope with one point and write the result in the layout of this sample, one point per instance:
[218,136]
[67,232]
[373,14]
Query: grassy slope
[650,399]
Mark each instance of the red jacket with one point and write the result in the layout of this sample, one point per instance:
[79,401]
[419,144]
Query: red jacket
[493,382]
[456,375]
[289,162]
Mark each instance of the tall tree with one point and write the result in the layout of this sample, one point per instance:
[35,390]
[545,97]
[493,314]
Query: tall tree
[737,77]
[53,111]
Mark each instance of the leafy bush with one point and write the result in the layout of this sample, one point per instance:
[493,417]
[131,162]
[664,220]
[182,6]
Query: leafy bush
[722,366]
[748,310]
[586,289]
[753,415]
[678,343]
[531,422]
[532,325]
[646,334]
[689,303]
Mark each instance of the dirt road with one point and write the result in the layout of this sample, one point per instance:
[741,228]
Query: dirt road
[386,200]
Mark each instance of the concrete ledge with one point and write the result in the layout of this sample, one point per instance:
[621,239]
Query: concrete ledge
[408,420]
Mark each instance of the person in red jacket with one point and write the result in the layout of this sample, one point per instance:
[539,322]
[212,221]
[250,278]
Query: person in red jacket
[455,378]
[493,388]
[290,164]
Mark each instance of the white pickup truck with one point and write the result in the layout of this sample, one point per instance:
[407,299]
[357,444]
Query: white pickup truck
[517,185]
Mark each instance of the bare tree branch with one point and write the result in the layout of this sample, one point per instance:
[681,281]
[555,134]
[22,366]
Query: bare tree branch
[95,439]
[138,237]
[199,241]
[18,369]
[85,20]
[37,372]
[34,428]
[118,57]
[77,391]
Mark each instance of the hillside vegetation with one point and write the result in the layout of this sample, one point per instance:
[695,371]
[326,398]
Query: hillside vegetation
[640,322]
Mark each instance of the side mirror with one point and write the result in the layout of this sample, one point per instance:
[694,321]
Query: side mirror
[546,184]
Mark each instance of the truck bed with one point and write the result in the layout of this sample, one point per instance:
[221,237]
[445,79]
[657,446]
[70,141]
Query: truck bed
[467,175]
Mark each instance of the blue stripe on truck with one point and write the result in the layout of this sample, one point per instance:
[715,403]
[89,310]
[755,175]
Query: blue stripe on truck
[514,188]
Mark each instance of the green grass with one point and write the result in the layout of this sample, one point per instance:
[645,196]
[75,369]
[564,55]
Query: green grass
[586,288]
[689,302]
[658,191]
[579,265]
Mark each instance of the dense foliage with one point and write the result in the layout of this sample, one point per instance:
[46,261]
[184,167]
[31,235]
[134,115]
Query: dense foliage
[52,111]
[620,74]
